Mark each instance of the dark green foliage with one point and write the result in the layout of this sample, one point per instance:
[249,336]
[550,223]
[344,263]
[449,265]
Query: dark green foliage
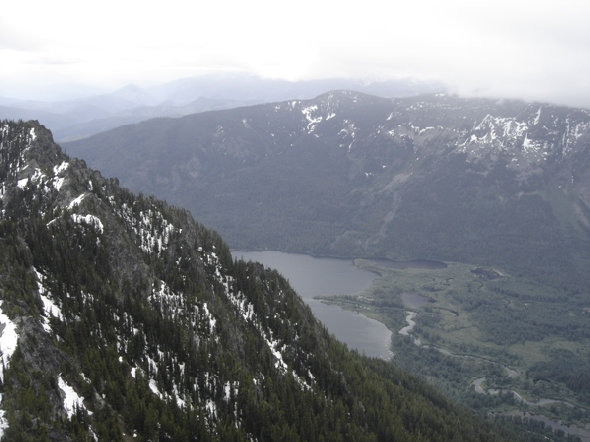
[564,366]
[153,333]
[376,178]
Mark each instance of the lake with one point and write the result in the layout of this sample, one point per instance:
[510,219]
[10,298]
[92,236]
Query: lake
[311,276]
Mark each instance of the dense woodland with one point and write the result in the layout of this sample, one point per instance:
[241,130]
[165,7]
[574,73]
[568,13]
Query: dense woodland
[498,183]
[165,337]
[492,341]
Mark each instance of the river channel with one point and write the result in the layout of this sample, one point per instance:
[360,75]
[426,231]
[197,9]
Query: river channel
[311,277]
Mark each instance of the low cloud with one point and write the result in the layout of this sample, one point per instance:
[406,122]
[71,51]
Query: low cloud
[536,50]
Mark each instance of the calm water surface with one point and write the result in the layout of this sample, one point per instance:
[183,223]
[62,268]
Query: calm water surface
[311,276]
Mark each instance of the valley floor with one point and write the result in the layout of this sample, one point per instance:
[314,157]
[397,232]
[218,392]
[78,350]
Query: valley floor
[495,342]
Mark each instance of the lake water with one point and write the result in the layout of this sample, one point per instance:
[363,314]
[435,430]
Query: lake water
[311,276]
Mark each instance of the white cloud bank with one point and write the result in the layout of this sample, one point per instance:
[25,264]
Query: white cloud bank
[537,50]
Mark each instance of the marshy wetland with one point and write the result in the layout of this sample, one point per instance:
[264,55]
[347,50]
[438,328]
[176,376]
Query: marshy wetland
[496,342]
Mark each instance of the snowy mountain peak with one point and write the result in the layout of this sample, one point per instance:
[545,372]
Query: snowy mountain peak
[541,133]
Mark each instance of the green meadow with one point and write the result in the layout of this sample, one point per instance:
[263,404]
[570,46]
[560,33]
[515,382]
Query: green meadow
[493,341]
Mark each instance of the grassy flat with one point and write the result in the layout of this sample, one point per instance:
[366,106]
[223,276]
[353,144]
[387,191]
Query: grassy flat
[494,341]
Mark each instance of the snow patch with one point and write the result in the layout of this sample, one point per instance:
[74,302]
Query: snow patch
[8,340]
[212,320]
[8,343]
[76,201]
[245,308]
[211,409]
[57,170]
[505,135]
[152,230]
[537,117]
[21,184]
[37,176]
[312,121]
[50,309]
[62,167]
[71,400]
[90,220]
[154,387]
[58,183]
[280,363]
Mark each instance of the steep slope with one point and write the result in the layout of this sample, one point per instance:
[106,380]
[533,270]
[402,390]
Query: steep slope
[122,317]
[490,182]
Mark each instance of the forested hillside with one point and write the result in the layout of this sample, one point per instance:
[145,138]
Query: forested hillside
[490,182]
[124,318]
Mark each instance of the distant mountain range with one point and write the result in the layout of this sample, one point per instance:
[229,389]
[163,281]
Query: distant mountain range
[122,318]
[77,118]
[503,183]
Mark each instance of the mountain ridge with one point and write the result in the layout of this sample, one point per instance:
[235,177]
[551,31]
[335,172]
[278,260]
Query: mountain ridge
[86,115]
[369,174]
[124,318]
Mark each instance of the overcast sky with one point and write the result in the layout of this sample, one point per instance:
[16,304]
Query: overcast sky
[532,49]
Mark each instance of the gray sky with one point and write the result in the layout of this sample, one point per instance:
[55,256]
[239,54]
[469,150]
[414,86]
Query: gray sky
[532,49]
